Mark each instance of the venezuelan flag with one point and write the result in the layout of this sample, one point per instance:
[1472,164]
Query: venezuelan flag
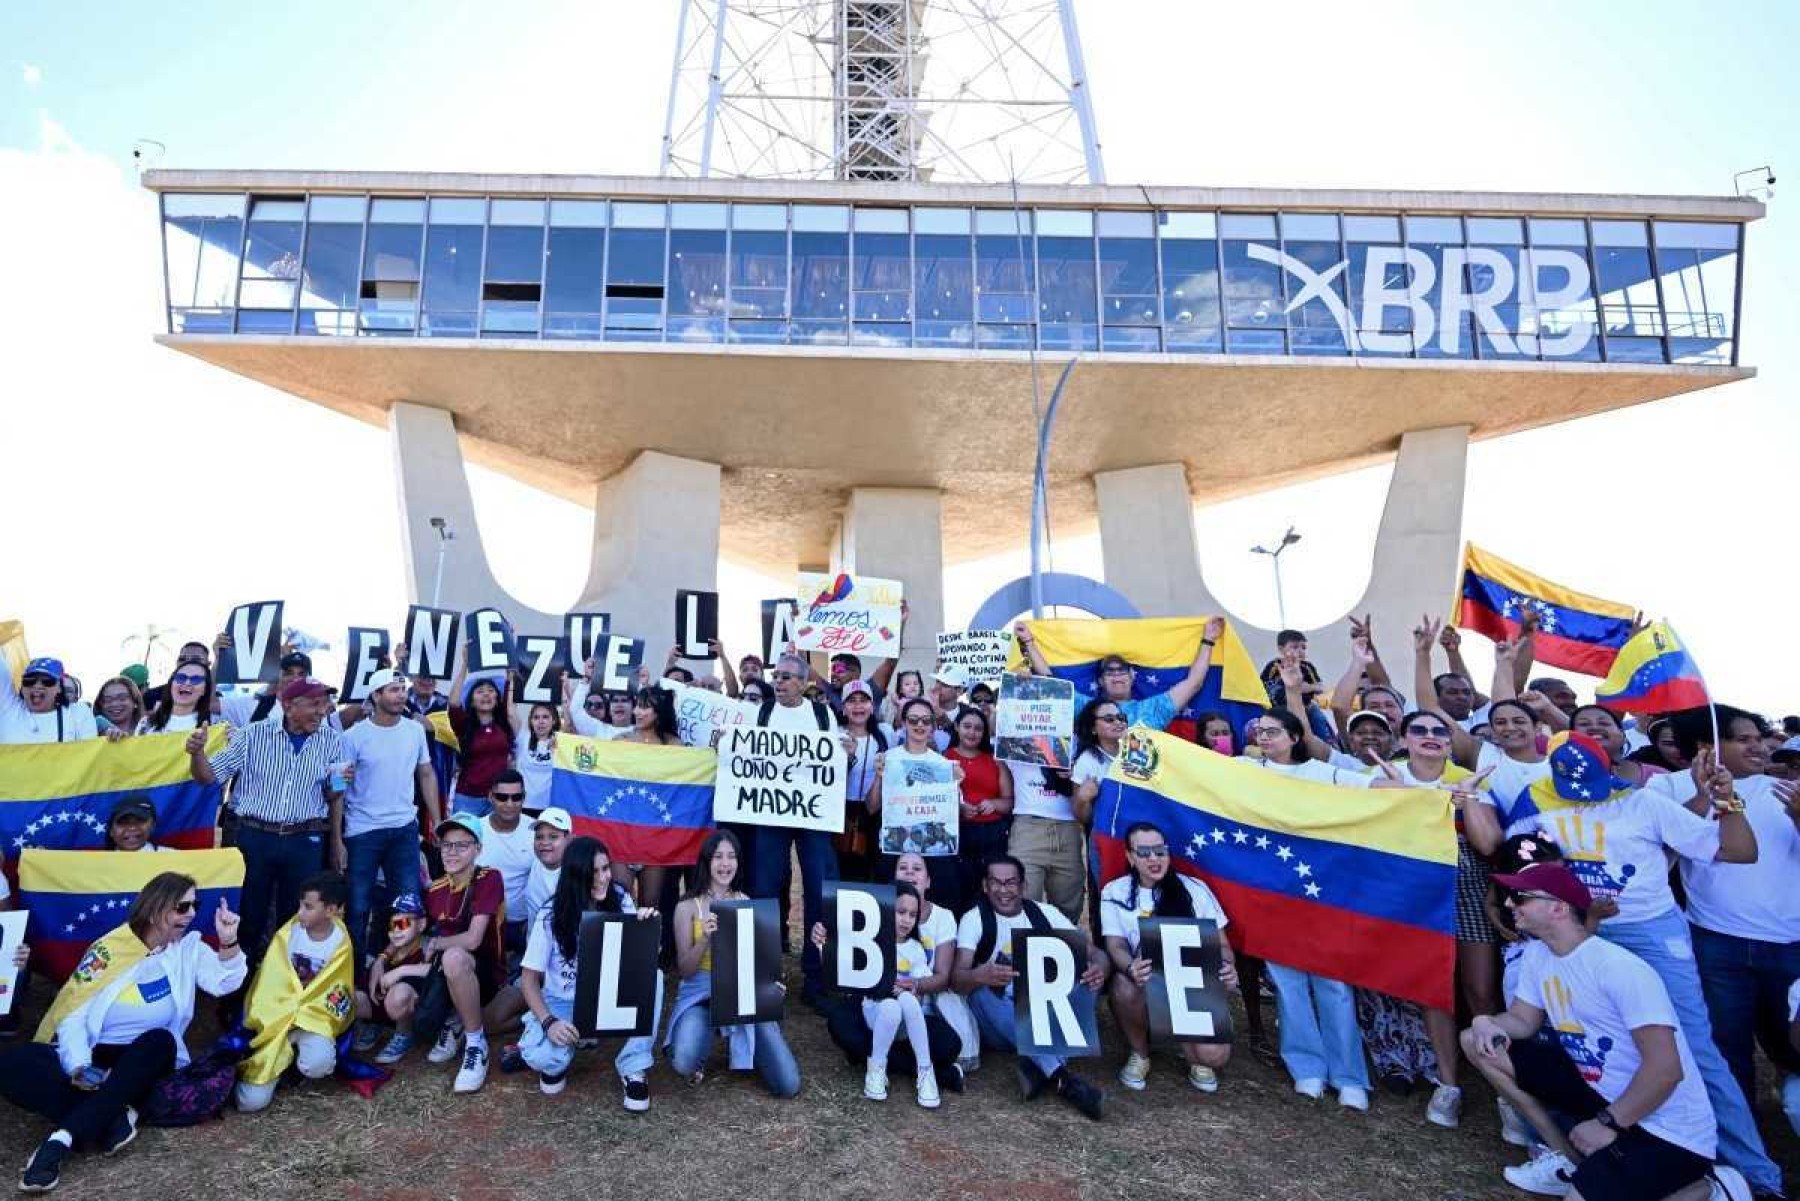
[1160,651]
[1653,674]
[75,897]
[58,795]
[13,653]
[1580,632]
[1352,884]
[649,804]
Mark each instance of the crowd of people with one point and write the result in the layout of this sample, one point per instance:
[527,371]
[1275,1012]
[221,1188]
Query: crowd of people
[1626,912]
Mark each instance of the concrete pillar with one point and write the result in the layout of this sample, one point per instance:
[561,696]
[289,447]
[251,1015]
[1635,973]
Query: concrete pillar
[656,529]
[1147,543]
[897,534]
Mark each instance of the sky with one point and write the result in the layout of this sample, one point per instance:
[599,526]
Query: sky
[150,490]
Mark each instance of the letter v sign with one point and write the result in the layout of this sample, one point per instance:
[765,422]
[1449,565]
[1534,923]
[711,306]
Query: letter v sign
[1314,286]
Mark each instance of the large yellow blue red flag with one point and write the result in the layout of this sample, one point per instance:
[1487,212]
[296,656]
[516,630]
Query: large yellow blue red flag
[13,653]
[1352,884]
[1160,651]
[1580,632]
[280,1003]
[648,804]
[1653,674]
[75,897]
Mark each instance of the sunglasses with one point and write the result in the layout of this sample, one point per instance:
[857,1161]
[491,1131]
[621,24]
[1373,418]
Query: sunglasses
[1116,671]
[1109,717]
[507,796]
[38,682]
[185,907]
[1534,896]
[1159,851]
[1429,731]
[189,680]
[400,921]
[595,702]
[916,720]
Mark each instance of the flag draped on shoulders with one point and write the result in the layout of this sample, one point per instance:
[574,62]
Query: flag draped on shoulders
[649,804]
[105,960]
[1576,631]
[280,1003]
[1653,674]
[1352,884]
[74,897]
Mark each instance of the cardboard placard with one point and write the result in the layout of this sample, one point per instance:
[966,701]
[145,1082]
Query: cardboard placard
[1188,1002]
[1034,721]
[843,614]
[777,626]
[490,638]
[780,778]
[702,715]
[431,641]
[1046,1021]
[616,973]
[746,958]
[581,631]
[364,649]
[254,656]
[538,658]
[859,955]
[972,657]
[919,804]
[696,623]
[12,933]
[616,663]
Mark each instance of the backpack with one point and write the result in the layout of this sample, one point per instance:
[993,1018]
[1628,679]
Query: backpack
[990,928]
[196,1093]
[821,714]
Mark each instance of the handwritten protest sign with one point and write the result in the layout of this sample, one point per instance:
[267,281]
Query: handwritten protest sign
[858,615]
[702,715]
[1035,721]
[780,778]
[972,657]
[919,796]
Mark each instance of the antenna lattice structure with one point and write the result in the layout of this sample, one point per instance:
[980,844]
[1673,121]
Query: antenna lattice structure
[946,91]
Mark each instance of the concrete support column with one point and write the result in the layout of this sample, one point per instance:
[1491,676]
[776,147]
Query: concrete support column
[1147,541]
[897,534]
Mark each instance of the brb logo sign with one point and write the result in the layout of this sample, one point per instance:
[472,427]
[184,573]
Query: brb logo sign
[1405,277]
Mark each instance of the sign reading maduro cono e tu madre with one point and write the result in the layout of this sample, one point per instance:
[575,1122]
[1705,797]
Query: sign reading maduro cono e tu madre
[780,778]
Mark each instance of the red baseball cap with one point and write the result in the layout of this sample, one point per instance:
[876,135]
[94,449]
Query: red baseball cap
[1554,879]
[304,687]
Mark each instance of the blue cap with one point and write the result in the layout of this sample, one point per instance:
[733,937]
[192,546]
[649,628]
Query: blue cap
[409,903]
[44,667]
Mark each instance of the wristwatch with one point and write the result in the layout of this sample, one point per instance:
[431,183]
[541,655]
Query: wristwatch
[1606,1119]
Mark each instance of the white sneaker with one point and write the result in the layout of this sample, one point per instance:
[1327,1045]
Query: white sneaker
[445,1048]
[473,1073]
[1547,1175]
[1728,1184]
[875,1081]
[928,1089]
[1135,1072]
[1352,1097]
[1312,1087]
[1514,1129]
[1446,1107]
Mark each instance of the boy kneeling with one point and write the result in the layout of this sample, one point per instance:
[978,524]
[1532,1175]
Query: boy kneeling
[302,998]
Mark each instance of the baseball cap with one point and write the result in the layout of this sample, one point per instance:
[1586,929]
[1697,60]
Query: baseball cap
[298,659]
[1579,768]
[44,667]
[1368,715]
[1552,878]
[136,805]
[303,688]
[466,822]
[1787,751]
[858,688]
[555,818]
[137,673]
[384,677]
[409,904]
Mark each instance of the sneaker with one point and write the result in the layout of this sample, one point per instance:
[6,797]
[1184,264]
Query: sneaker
[395,1049]
[637,1093]
[448,1040]
[1514,1129]
[511,1060]
[950,1078]
[367,1035]
[1203,1078]
[120,1133]
[1312,1087]
[929,1097]
[44,1169]
[473,1073]
[551,1085]
[1446,1107]
[875,1081]
[1078,1092]
[1352,1097]
[1135,1072]
[1728,1184]
[1547,1175]
[1031,1080]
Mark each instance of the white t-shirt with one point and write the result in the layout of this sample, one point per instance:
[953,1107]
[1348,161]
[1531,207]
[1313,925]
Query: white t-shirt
[1593,998]
[147,1003]
[912,961]
[1315,770]
[1477,718]
[940,738]
[1091,764]
[177,724]
[936,930]
[543,955]
[1509,785]
[797,717]
[511,855]
[540,885]
[1119,918]
[1034,798]
[1758,900]
[20,725]
[387,758]
[1617,848]
[968,931]
[308,955]
[537,766]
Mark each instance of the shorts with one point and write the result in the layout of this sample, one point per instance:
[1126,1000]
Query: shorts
[1472,923]
[1638,1166]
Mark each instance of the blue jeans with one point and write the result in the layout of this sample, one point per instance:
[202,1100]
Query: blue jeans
[994,1018]
[1746,984]
[1319,1036]
[275,865]
[1664,943]
[394,853]
[542,1055]
[691,1041]
[818,863]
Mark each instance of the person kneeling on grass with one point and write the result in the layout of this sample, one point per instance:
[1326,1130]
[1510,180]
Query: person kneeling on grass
[548,972]
[397,974]
[302,997]
[1636,1120]
[985,973]
[1153,889]
[869,1031]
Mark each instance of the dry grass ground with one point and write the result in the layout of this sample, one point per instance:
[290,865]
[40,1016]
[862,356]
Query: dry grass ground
[416,1141]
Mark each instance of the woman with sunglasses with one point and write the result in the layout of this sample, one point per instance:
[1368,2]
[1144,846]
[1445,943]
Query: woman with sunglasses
[118,1025]
[1152,888]
[38,711]
[184,703]
[915,745]
[118,708]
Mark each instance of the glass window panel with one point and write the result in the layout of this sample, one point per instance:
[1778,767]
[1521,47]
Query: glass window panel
[1003,337]
[1562,300]
[1129,339]
[1558,231]
[697,216]
[880,221]
[202,237]
[458,210]
[1627,289]
[881,333]
[1114,223]
[1200,226]
[331,279]
[1002,221]
[1247,225]
[697,276]
[578,214]
[1190,285]
[882,279]
[511,284]
[941,221]
[759,216]
[573,277]
[1698,265]
[1067,302]
[820,277]
[268,320]
[453,242]
[1699,235]
[1500,297]
[1633,350]
[1360,228]
[221,205]
[635,263]
[1309,227]
[1378,277]
[337,208]
[1499,231]
[516,212]
[631,214]
[1436,269]
[271,256]
[1315,321]
[393,258]
[758,332]
[759,270]
[1128,277]
[1253,280]
[943,285]
[1005,276]
[1621,233]
[389,211]
[1064,223]
[1441,231]
[1256,341]
[821,218]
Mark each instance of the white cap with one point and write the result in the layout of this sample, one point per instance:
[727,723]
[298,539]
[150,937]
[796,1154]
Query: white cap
[384,677]
[556,818]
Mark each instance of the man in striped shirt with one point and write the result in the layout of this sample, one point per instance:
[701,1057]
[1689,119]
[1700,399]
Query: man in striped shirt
[280,770]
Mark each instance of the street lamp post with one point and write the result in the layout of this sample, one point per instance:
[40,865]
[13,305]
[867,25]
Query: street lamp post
[1288,539]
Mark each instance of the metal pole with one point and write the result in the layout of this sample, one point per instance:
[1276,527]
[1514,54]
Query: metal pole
[437,584]
[1040,503]
[668,142]
[1079,95]
[714,89]
[1280,604]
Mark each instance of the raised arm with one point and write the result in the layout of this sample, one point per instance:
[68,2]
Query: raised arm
[1343,696]
[1365,630]
[1028,647]
[1525,651]
[884,671]
[725,673]
[1424,635]
[1195,679]
[1292,693]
